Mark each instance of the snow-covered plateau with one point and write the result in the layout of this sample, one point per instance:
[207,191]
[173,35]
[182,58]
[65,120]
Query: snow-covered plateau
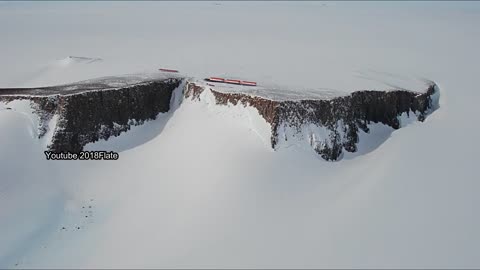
[356,149]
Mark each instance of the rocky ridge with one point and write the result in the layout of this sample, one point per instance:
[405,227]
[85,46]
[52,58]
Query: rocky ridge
[92,113]
[341,116]
[99,109]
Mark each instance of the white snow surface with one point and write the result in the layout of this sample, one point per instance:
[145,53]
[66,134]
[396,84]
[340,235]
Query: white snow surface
[25,109]
[201,188]
[123,80]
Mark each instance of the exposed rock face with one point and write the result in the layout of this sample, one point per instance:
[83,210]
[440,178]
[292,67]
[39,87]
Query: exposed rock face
[98,115]
[342,117]
[93,114]
[99,109]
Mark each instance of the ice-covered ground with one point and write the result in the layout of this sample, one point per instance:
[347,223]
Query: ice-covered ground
[95,84]
[268,91]
[304,45]
[282,93]
[204,189]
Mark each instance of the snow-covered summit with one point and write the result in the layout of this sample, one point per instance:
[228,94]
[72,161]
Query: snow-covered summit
[97,84]
[381,82]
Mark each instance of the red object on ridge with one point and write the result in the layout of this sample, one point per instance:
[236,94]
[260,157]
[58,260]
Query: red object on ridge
[168,70]
[216,79]
[232,81]
[249,83]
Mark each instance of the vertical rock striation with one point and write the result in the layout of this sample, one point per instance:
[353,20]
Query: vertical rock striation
[93,114]
[341,117]
[99,109]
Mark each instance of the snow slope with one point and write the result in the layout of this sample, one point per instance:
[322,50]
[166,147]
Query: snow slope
[207,191]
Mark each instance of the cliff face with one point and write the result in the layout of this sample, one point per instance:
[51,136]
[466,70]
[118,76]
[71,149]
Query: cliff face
[339,119]
[78,114]
[91,116]
[87,116]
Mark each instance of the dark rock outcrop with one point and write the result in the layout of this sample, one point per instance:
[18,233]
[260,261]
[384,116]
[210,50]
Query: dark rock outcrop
[343,116]
[99,109]
[89,114]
